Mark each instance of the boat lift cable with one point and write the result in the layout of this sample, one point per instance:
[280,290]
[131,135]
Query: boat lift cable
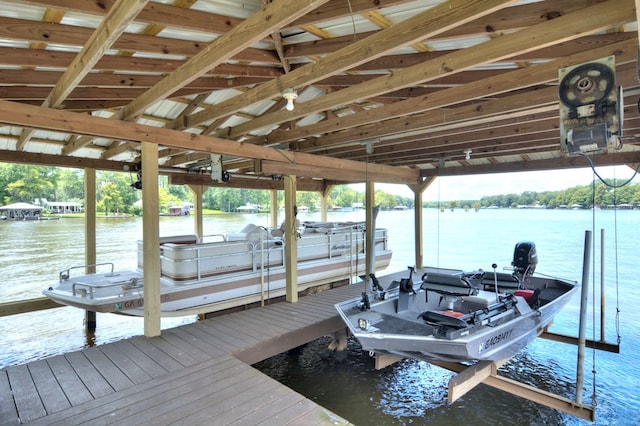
[615,239]
[614,186]
[594,402]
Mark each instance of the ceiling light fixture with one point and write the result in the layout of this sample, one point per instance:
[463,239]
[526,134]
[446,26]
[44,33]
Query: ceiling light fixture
[467,154]
[368,145]
[290,95]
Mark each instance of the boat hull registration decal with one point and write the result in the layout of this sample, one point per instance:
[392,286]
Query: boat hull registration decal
[495,340]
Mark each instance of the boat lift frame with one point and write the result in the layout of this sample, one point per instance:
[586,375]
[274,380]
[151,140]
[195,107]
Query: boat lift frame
[486,372]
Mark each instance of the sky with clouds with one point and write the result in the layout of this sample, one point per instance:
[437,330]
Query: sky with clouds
[474,187]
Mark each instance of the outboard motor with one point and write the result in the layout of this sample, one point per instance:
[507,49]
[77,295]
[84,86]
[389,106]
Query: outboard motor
[525,258]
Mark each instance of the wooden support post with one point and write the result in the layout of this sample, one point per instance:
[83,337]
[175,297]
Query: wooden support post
[371,232]
[339,340]
[573,340]
[469,378]
[198,190]
[324,205]
[513,387]
[274,208]
[151,239]
[90,236]
[90,322]
[384,360]
[290,239]
[418,190]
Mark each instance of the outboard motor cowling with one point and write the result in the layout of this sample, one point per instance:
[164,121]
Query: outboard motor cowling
[525,258]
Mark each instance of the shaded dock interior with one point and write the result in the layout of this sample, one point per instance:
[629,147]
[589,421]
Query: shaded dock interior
[189,375]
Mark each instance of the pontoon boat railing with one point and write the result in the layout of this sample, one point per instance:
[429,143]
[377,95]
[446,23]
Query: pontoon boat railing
[87,289]
[66,273]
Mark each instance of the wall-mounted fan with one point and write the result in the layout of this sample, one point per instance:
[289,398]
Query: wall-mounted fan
[590,107]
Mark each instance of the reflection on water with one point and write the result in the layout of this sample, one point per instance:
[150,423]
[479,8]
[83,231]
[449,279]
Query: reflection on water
[410,391]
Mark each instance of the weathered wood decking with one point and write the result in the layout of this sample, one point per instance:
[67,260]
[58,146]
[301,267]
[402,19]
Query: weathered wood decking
[192,374]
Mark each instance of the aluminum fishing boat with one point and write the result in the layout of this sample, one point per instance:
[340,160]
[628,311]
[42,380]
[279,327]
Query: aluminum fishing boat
[452,315]
[234,270]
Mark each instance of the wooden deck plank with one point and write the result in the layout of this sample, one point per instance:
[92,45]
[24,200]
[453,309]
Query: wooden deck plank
[110,404]
[196,332]
[261,327]
[328,301]
[328,298]
[234,340]
[309,311]
[249,326]
[71,385]
[242,404]
[25,394]
[223,405]
[125,364]
[208,335]
[275,322]
[280,400]
[188,375]
[110,371]
[8,412]
[316,415]
[142,360]
[153,352]
[51,394]
[184,345]
[292,413]
[202,345]
[175,352]
[300,336]
[178,403]
[294,312]
[295,315]
[91,378]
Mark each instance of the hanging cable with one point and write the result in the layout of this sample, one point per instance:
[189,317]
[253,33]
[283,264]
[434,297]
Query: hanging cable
[614,186]
[615,239]
[593,167]
[593,291]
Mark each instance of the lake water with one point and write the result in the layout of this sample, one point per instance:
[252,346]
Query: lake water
[409,392]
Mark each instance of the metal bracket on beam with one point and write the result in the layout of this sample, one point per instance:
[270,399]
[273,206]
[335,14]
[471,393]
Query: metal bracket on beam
[216,167]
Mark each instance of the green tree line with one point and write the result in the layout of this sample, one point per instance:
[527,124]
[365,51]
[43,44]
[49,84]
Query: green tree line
[26,183]
[597,193]
[114,191]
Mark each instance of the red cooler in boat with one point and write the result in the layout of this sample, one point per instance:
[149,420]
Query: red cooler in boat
[526,294]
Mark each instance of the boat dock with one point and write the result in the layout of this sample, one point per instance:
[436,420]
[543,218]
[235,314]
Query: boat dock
[188,375]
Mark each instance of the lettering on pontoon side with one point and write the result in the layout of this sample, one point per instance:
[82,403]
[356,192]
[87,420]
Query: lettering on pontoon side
[492,341]
[139,303]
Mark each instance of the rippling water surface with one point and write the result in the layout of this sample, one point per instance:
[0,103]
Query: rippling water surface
[409,392]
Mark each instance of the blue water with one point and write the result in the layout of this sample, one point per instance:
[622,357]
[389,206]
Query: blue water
[409,392]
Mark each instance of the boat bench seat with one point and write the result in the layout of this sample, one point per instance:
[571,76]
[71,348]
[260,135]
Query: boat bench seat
[489,284]
[474,303]
[448,284]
